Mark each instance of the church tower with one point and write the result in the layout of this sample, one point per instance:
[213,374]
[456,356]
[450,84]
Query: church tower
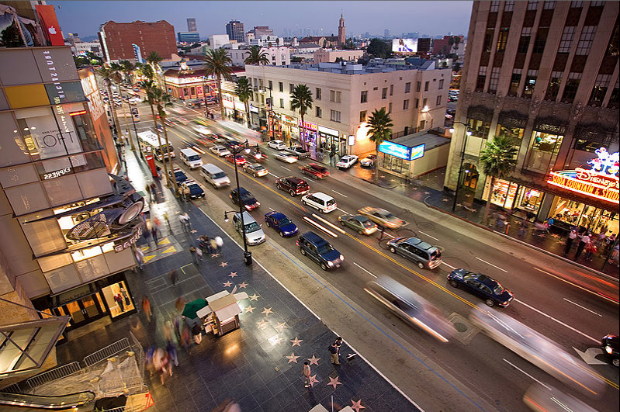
[341,38]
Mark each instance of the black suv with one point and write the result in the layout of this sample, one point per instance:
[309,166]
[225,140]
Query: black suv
[293,185]
[248,199]
[318,249]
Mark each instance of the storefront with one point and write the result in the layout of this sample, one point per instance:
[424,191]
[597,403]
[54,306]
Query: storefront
[329,139]
[290,130]
[413,155]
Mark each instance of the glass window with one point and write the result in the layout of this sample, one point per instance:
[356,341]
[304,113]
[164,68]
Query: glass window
[424,103]
[291,87]
[406,104]
[576,4]
[408,87]
[440,84]
[554,86]
[502,39]
[417,103]
[549,5]
[544,148]
[426,85]
[391,89]
[513,133]
[541,39]
[118,299]
[509,5]
[479,128]
[613,47]
[585,40]
[44,236]
[319,112]
[438,101]
[530,83]
[515,80]
[494,7]
[570,90]
[528,199]
[318,93]
[567,39]
[364,96]
[14,149]
[335,116]
[418,87]
[384,93]
[600,89]
[503,193]
[363,116]
[494,79]
[532,5]
[488,40]
[281,87]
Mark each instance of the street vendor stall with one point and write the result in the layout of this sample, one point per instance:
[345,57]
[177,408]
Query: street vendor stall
[221,314]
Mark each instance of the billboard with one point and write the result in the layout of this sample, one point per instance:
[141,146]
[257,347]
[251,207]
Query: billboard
[405,45]
[402,152]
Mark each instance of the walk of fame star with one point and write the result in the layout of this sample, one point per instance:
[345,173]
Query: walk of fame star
[313,380]
[314,360]
[215,255]
[233,274]
[292,357]
[275,340]
[281,326]
[357,405]
[254,297]
[224,264]
[334,382]
[296,342]
[267,311]
[262,324]
[227,284]
[193,231]
[250,309]
[243,285]
[444,199]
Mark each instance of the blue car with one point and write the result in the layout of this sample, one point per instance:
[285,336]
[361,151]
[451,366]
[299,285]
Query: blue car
[483,286]
[178,174]
[281,223]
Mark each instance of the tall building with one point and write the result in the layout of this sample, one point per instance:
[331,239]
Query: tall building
[341,38]
[191,24]
[235,31]
[188,37]
[546,75]
[386,33]
[262,31]
[117,39]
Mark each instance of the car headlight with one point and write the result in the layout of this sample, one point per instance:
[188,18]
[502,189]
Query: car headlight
[609,350]
[330,264]
[341,257]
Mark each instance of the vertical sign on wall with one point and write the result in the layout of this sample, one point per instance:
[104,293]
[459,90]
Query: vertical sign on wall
[51,28]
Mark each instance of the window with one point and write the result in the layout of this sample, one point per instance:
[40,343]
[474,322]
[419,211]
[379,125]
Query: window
[408,87]
[291,87]
[502,38]
[362,116]
[441,84]
[438,100]
[549,5]
[515,80]
[426,84]
[524,41]
[567,39]
[290,105]
[390,108]
[600,89]
[417,103]
[494,79]
[585,40]
[318,94]
[614,42]
[281,87]
[541,39]
[364,96]
[418,87]
[405,104]
[570,90]
[597,4]
[530,82]
[335,116]
[422,124]
[424,103]
[554,86]
[532,5]
[281,103]
[615,96]
[319,112]
[543,151]
[509,5]
[576,4]
[391,89]
[384,93]
[270,85]
[488,40]
[482,76]
[334,96]
[494,7]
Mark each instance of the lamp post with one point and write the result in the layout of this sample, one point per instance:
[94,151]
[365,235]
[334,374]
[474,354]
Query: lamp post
[247,256]
[271,116]
[458,182]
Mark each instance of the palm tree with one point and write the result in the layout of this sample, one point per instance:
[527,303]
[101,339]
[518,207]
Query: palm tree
[127,68]
[108,75]
[244,93]
[498,159]
[216,64]
[256,57]
[118,71]
[147,71]
[379,129]
[301,99]
[153,60]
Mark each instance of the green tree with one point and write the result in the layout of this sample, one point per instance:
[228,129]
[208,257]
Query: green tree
[109,76]
[379,48]
[118,79]
[256,57]
[244,93]
[498,160]
[217,64]
[153,59]
[147,71]
[301,98]
[379,130]
[127,68]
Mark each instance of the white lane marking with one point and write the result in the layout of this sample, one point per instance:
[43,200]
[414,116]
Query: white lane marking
[343,211]
[339,193]
[577,286]
[364,270]
[558,321]
[426,234]
[285,168]
[583,307]
[315,224]
[450,266]
[314,215]
[490,264]
[525,373]
[272,209]
[276,176]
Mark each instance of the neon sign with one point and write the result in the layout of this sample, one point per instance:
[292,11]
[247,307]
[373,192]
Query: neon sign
[587,182]
[402,152]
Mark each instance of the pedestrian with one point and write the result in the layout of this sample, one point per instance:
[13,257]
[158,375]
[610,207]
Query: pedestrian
[205,244]
[174,276]
[307,371]
[157,222]
[613,259]
[522,230]
[219,243]
[146,308]
[171,348]
[197,333]
[148,190]
[590,251]
[119,300]
[186,337]
[154,234]
[165,215]
[147,235]
[139,257]
[333,350]
[199,254]
[213,246]
[192,250]
[153,189]
[569,242]
[125,296]
[585,239]
[184,219]
[186,193]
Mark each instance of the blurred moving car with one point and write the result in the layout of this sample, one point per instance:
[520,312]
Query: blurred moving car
[202,130]
[285,157]
[240,159]
[320,250]
[410,307]
[277,144]
[609,343]
[361,224]
[247,198]
[425,255]
[298,151]
[314,170]
[219,150]
[255,169]
[256,155]
[281,223]
[195,190]
[368,161]
[346,161]
[546,398]
[382,217]
[483,286]
[293,185]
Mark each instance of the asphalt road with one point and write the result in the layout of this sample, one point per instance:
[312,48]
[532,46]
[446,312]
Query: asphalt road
[552,297]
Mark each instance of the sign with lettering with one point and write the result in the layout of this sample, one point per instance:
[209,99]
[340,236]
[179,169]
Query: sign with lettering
[402,152]
[587,182]
[56,173]
[121,245]
[309,126]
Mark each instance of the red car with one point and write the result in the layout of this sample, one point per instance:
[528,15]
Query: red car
[315,171]
[239,158]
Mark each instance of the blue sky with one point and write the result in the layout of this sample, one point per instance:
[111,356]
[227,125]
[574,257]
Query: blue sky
[425,17]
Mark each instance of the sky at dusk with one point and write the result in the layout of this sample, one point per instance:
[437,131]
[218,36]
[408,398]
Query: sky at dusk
[425,17]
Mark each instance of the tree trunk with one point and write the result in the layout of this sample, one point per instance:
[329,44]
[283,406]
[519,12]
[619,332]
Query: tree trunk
[487,207]
[376,171]
[247,112]
[219,89]
[120,93]
[159,140]
[303,132]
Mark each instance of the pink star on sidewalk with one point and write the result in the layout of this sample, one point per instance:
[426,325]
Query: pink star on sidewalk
[334,382]
[224,264]
[267,311]
[243,285]
[281,326]
[233,274]
[297,342]
[357,405]
[250,309]
[292,357]
[254,297]
[314,360]
[313,380]
[227,284]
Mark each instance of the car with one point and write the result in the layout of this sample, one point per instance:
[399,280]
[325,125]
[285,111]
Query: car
[277,144]
[219,150]
[298,151]
[178,174]
[487,288]
[410,307]
[201,130]
[256,155]
[314,170]
[361,224]
[247,198]
[382,217]
[255,169]
[293,185]
[281,223]
[254,234]
[195,190]
[610,346]
[320,201]
[368,161]
[182,120]
[346,161]
[170,122]
[240,159]
[320,250]
[135,100]
[425,255]
[285,157]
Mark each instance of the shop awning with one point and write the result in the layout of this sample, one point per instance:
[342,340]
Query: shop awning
[190,309]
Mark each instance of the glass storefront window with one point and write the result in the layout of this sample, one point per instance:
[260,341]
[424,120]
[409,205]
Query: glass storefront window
[513,133]
[528,199]
[543,151]
[118,299]
[503,193]
[394,164]
[479,128]
[591,218]
[86,253]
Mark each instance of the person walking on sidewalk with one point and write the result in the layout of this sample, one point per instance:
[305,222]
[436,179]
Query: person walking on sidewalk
[154,234]
[569,241]
[184,219]
[146,308]
[585,239]
[192,250]
[139,257]
[307,371]
[174,276]
[213,245]
[165,215]
[333,350]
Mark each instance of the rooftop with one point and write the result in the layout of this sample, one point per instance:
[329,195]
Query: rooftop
[428,139]
[353,68]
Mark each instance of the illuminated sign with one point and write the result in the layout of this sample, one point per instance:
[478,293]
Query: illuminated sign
[81,112]
[587,182]
[402,152]
[309,126]
[125,243]
[606,163]
[56,173]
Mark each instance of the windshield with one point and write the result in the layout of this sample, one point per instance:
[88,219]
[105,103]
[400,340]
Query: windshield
[252,227]
[219,175]
[247,196]
[195,189]
[331,202]
[498,289]
[325,248]
[194,158]
[284,221]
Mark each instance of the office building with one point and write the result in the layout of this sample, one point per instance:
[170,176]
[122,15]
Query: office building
[191,25]
[191,37]
[118,40]
[262,31]
[545,74]
[235,31]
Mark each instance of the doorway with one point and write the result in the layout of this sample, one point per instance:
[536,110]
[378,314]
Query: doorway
[83,310]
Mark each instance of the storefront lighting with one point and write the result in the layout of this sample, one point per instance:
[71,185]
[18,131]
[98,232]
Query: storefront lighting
[81,112]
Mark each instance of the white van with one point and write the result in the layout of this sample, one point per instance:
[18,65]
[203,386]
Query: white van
[214,175]
[191,158]
[320,201]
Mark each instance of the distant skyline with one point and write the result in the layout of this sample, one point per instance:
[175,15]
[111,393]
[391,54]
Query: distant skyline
[284,17]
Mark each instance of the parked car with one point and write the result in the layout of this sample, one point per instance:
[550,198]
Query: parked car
[293,185]
[178,174]
[255,169]
[219,150]
[425,255]
[314,170]
[368,161]
[254,234]
[240,159]
[381,217]
[281,223]
[346,161]
[610,345]
[247,198]
[298,151]
[321,251]
[277,144]
[320,201]
[195,190]
[285,157]
[487,288]
[361,224]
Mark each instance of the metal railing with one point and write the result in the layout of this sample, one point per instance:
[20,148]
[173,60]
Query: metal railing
[108,351]
[14,388]
[53,374]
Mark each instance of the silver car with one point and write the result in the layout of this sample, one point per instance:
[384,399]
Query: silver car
[254,234]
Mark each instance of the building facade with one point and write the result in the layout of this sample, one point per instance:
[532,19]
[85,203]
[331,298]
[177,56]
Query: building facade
[188,37]
[329,55]
[191,25]
[235,31]
[218,40]
[277,56]
[118,40]
[546,75]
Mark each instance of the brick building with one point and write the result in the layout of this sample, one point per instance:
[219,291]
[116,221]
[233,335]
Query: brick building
[117,39]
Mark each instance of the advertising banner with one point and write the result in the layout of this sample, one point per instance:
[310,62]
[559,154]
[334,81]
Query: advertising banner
[51,28]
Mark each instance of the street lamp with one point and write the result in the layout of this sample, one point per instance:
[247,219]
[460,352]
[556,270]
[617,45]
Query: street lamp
[458,182]
[235,150]
[271,116]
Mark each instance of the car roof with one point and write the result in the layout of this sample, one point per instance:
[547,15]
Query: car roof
[294,179]
[322,195]
[241,190]
[314,238]
[276,215]
[400,291]
[419,243]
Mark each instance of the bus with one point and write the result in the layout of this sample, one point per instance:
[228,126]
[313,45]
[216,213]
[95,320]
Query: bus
[150,144]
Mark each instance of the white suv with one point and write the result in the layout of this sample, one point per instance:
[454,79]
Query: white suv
[277,144]
[320,201]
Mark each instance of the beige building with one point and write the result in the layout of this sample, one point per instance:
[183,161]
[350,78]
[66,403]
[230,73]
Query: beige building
[277,55]
[330,55]
[345,95]
[545,74]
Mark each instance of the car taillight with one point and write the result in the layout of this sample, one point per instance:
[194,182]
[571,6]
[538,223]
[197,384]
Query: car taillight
[297,242]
